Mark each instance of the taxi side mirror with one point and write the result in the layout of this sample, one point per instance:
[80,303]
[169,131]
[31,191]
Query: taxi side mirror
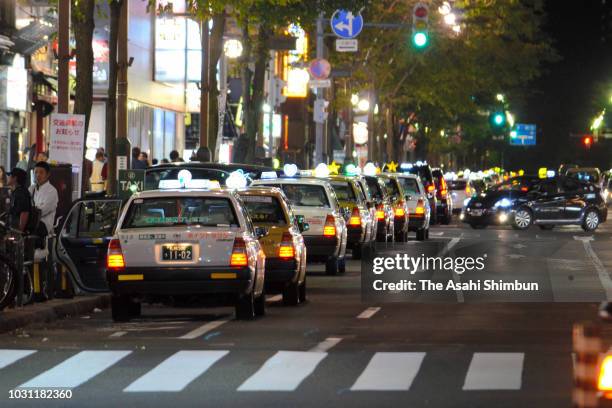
[409,197]
[304,226]
[261,232]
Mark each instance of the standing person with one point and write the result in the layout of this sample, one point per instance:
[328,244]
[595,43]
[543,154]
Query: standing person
[42,157]
[23,163]
[96,179]
[136,163]
[20,204]
[144,158]
[174,156]
[45,198]
[3,179]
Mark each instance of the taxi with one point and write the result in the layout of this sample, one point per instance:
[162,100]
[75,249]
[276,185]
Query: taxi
[360,231]
[417,202]
[396,194]
[384,214]
[186,242]
[283,244]
[314,202]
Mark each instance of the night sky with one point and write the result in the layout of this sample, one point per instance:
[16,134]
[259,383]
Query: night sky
[564,100]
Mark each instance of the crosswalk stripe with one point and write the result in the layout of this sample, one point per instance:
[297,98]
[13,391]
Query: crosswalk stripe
[284,371]
[200,331]
[369,312]
[389,372]
[8,357]
[76,370]
[495,371]
[177,371]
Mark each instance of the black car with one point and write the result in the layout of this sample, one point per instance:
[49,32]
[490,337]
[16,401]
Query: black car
[444,198]
[523,201]
[423,170]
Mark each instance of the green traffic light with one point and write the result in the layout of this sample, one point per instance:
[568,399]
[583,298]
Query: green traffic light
[420,39]
[498,119]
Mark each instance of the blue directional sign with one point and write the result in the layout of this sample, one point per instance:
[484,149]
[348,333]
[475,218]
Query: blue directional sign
[523,135]
[345,24]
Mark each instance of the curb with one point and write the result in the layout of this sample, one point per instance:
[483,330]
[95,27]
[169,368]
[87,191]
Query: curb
[45,312]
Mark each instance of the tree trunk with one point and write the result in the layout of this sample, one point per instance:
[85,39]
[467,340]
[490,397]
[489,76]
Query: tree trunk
[83,25]
[216,50]
[254,110]
[111,101]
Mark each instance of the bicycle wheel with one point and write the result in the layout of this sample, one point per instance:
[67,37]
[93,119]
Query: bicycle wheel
[7,282]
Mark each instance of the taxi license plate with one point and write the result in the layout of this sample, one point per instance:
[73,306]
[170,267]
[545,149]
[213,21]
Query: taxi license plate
[177,253]
[477,213]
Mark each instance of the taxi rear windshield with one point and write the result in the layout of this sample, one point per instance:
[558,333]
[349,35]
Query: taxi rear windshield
[344,190]
[392,188]
[265,209]
[177,211]
[304,195]
[374,187]
[409,185]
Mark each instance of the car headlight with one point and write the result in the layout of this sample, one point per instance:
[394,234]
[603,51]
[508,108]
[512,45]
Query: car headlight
[503,203]
[466,202]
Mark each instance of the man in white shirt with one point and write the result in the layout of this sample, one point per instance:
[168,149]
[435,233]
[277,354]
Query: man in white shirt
[45,198]
[96,180]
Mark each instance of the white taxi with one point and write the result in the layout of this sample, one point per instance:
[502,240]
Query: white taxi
[314,202]
[184,243]
[419,211]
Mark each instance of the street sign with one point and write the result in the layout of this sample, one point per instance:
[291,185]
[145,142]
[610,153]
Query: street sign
[345,24]
[130,182]
[319,68]
[320,83]
[67,138]
[350,45]
[525,135]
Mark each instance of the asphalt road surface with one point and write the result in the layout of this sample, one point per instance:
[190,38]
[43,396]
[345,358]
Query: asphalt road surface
[336,350]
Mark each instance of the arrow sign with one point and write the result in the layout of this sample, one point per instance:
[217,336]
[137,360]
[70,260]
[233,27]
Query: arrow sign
[345,24]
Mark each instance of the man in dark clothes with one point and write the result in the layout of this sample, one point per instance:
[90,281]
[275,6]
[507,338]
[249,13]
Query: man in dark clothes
[21,204]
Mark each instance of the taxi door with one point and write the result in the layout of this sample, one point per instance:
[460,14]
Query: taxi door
[550,203]
[83,241]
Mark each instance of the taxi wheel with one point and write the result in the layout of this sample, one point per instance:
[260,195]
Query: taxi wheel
[302,294]
[245,307]
[120,308]
[590,221]
[342,265]
[291,294]
[331,266]
[522,219]
[420,235]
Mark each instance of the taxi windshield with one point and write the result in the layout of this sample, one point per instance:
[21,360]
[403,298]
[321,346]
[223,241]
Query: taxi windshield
[344,190]
[265,209]
[410,185]
[175,211]
[515,184]
[305,195]
[375,190]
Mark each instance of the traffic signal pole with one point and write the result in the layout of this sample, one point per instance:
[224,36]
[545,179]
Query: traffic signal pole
[319,126]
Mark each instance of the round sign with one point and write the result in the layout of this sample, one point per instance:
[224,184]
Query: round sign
[319,68]
[345,24]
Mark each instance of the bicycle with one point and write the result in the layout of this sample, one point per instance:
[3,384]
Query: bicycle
[8,268]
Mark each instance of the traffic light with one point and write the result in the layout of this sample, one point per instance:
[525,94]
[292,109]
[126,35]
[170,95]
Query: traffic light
[587,141]
[420,26]
[498,119]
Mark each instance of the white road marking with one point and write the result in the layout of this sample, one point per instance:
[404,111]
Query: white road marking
[275,298]
[200,331]
[284,371]
[389,372]
[437,234]
[76,370]
[495,371]
[8,357]
[177,371]
[118,334]
[326,344]
[369,312]
[602,273]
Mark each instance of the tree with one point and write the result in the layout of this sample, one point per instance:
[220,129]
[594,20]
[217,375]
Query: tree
[82,16]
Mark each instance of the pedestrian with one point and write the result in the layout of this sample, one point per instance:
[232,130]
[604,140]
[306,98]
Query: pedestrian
[96,179]
[42,157]
[136,163]
[23,163]
[3,179]
[165,161]
[174,156]
[144,158]
[155,162]
[45,198]
[20,203]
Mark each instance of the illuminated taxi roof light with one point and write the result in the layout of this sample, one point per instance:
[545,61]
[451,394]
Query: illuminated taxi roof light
[290,170]
[352,170]
[191,184]
[369,169]
[268,175]
[406,166]
[550,173]
[236,180]
[321,170]
[184,177]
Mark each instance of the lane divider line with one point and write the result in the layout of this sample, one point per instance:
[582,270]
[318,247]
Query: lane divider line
[200,331]
[118,334]
[8,357]
[368,313]
[325,345]
[602,273]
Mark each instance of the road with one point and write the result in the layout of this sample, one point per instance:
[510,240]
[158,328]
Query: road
[335,350]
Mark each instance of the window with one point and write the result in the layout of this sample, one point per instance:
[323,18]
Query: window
[172,211]
[305,195]
[457,185]
[392,188]
[265,209]
[410,186]
[375,189]
[344,190]
[97,219]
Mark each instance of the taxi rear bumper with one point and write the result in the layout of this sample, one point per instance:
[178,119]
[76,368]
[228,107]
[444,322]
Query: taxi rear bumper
[180,281]
[355,236]
[320,248]
[279,273]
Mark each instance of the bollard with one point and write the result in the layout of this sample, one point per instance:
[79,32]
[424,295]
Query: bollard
[64,288]
[587,346]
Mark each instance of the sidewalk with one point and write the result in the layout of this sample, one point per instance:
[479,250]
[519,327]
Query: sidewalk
[11,319]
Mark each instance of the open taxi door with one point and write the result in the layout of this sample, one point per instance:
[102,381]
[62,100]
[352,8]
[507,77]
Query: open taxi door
[83,240]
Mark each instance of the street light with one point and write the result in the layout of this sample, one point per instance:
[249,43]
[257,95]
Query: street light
[450,19]
[354,99]
[500,97]
[363,105]
[233,48]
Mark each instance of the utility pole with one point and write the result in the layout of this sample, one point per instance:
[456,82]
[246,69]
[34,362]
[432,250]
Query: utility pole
[204,84]
[63,95]
[319,126]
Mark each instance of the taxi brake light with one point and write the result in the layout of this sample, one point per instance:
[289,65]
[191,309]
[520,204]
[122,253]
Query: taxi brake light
[329,230]
[399,210]
[430,188]
[444,190]
[604,378]
[239,253]
[114,257]
[420,208]
[286,250]
[355,220]
[380,213]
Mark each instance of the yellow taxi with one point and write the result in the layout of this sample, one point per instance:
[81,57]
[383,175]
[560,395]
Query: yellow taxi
[283,244]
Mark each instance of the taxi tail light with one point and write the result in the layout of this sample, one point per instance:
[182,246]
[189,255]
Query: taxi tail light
[430,188]
[286,249]
[355,220]
[444,189]
[329,230]
[420,208]
[239,253]
[400,211]
[380,212]
[604,377]
[114,256]
[468,190]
